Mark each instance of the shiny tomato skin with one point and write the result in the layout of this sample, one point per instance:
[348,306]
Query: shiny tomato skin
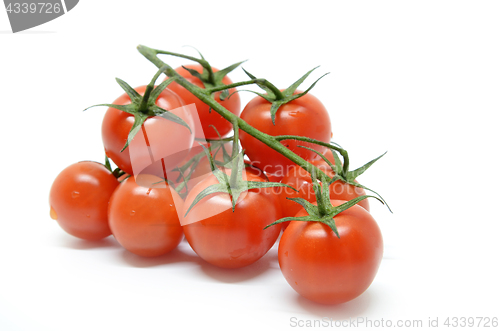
[143,218]
[178,140]
[207,118]
[305,116]
[226,239]
[79,199]
[326,269]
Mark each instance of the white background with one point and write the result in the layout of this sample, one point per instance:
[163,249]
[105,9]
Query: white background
[420,79]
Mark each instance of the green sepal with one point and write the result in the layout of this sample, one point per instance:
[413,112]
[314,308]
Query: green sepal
[219,75]
[130,108]
[338,164]
[309,207]
[330,221]
[212,189]
[195,73]
[269,96]
[169,116]
[288,219]
[292,88]
[134,96]
[368,189]
[158,90]
[347,176]
[139,119]
[351,175]
[327,218]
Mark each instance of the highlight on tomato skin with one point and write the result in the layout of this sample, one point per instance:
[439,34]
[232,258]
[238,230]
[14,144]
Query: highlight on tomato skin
[330,270]
[143,216]
[79,199]
[230,239]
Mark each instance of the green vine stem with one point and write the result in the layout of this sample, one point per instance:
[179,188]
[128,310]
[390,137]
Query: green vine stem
[206,96]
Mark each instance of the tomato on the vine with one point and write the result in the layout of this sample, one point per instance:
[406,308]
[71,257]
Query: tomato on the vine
[324,268]
[79,199]
[230,239]
[168,142]
[207,116]
[143,215]
[305,116]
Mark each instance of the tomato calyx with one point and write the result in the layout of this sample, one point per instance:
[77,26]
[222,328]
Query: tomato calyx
[323,212]
[278,98]
[144,106]
[209,78]
[233,184]
[343,173]
[340,169]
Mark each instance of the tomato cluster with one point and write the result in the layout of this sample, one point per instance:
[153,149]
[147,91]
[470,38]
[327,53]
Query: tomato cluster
[180,173]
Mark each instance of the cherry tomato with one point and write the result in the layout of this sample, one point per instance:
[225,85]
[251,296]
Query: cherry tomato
[207,117]
[230,239]
[325,269]
[305,116]
[143,217]
[168,142]
[79,199]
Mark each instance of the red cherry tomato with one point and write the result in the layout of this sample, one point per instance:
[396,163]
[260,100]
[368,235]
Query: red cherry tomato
[230,239]
[305,116]
[79,200]
[326,269]
[168,142]
[143,218]
[207,117]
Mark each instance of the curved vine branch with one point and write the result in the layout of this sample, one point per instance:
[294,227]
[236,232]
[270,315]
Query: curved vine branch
[206,96]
